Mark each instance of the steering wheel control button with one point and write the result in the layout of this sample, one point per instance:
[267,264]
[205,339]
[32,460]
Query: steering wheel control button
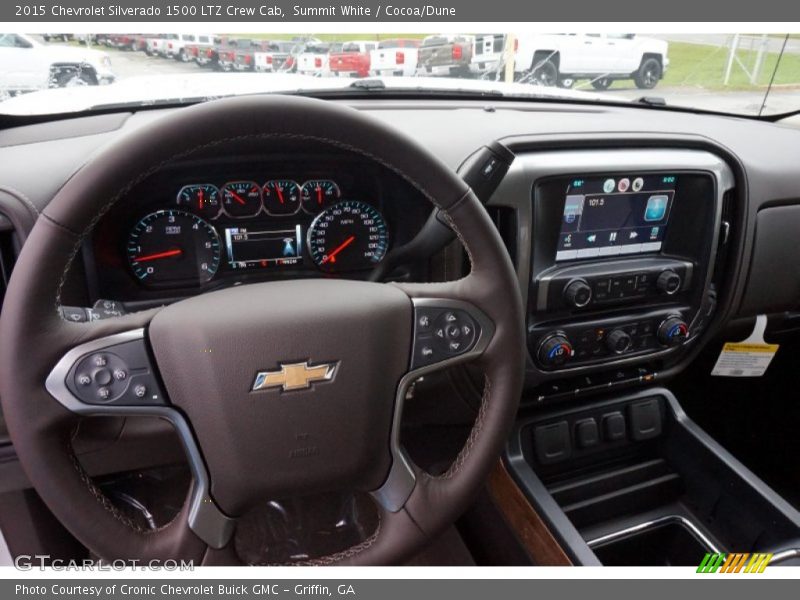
[74,314]
[446,333]
[102,377]
[121,375]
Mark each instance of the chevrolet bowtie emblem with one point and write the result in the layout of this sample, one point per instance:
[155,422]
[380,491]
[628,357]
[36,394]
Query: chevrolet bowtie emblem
[295,376]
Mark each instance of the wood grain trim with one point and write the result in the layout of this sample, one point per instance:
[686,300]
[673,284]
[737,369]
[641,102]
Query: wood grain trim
[539,544]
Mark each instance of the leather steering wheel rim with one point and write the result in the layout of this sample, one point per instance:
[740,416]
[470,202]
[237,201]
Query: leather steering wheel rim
[34,337]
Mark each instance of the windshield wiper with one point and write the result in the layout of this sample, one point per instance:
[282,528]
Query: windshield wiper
[651,101]
[368,84]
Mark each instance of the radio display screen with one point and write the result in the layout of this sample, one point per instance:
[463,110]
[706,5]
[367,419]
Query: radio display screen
[253,247]
[610,216]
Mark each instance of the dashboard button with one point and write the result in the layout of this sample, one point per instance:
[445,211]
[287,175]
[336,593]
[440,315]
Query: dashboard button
[103,393]
[578,293]
[586,433]
[614,427]
[555,350]
[83,379]
[669,282]
[618,341]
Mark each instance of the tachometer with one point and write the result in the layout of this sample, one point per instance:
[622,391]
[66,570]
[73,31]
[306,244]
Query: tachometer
[173,247]
[241,198]
[200,198]
[319,194]
[348,236]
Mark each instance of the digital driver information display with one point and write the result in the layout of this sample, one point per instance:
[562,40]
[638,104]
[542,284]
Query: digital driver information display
[251,247]
[609,216]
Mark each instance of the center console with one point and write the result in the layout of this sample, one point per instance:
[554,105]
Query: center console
[620,255]
[615,252]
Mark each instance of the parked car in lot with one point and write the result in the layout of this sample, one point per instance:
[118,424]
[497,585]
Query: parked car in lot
[395,58]
[315,58]
[558,59]
[487,53]
[126,41]
[208,56]
[245,57]
[26,64]
[226,52]
[447,55]
[353,60]
[157,45]
[276,56]
[177,48]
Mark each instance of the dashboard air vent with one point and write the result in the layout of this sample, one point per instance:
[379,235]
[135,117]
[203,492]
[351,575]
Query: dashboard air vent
[727,222]
[505,219]
[8,253]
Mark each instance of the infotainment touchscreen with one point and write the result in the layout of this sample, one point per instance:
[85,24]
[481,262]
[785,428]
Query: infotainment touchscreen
[608,216]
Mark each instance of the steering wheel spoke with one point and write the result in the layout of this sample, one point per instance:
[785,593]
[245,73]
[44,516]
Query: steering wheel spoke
[447,331]
[115,376]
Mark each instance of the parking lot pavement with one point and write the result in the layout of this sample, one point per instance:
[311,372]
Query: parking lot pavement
[128,64]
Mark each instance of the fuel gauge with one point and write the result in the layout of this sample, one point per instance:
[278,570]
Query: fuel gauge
[200,198]
[281,197]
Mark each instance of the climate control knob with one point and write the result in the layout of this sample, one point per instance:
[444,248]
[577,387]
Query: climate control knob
[669,282]
[618,341]
[554,350]
[672,331]
[578,293]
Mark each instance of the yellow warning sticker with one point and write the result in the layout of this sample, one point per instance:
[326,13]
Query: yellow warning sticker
[748,358]
[744,347]
[744,359]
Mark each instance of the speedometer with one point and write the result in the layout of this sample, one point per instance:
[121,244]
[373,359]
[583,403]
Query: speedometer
[348,236]
[173,247]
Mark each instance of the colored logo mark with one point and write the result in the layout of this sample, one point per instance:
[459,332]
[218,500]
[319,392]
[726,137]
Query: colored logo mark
[739,562]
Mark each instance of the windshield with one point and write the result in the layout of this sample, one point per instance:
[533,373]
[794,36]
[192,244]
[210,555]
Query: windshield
[742,73]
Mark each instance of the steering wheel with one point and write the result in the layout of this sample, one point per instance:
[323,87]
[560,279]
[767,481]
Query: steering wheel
[275,389]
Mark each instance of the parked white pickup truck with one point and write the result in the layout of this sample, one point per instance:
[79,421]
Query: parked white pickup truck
[396,58]
[157,44]
[560,59]
[177,48]
[26,65]
[315,59]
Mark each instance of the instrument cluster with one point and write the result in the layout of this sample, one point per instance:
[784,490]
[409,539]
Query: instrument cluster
[244,225]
